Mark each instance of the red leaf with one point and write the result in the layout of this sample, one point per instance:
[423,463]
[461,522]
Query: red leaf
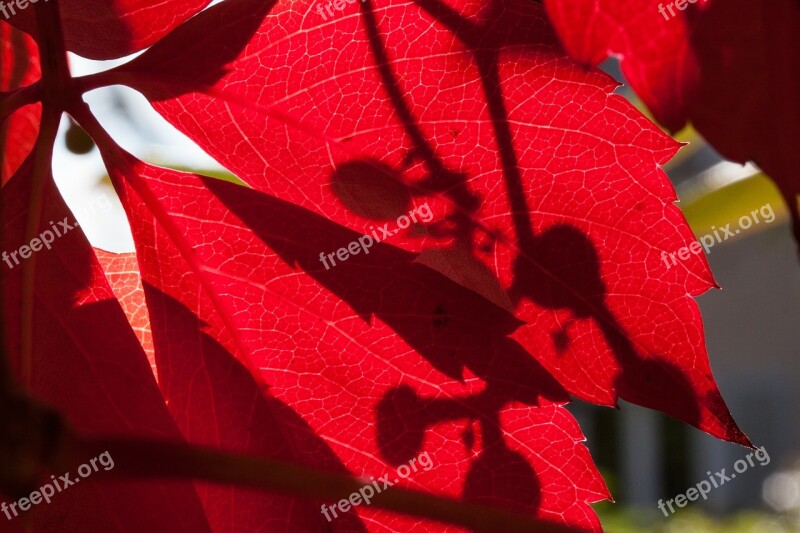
[314,112]
[731,67]
[86,361]
[19,67]
[217,402]
[112,29]
[349,352]
[122,273]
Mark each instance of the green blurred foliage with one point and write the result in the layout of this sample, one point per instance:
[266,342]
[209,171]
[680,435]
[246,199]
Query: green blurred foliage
[616,520]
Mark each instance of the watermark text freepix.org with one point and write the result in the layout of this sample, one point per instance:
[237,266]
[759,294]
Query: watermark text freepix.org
[680,4]
[714,481]
[367,492]
[337,4]
[365,242]
[46,238]
[706,242]
[5,7]
[47,491]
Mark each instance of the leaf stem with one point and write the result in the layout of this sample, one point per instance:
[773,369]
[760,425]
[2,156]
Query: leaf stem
[57,89]
[56,79]
[40,176]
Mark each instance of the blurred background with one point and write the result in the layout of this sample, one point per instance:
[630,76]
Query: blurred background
[752,335]
[752,327]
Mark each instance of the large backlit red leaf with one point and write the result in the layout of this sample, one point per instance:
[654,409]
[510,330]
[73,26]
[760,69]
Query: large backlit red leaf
[109,29]
[19,67]
[368,365]
[546,187]
[86,361]
[731,67]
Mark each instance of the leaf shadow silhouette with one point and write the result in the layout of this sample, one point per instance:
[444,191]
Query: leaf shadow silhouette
[541,257]
[539,273]
[204,377]
[458,328]
[453,328]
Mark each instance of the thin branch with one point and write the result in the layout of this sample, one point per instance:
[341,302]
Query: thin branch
[41,175]
[143,458]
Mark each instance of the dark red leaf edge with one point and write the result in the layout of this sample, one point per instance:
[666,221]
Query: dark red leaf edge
[730,67]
